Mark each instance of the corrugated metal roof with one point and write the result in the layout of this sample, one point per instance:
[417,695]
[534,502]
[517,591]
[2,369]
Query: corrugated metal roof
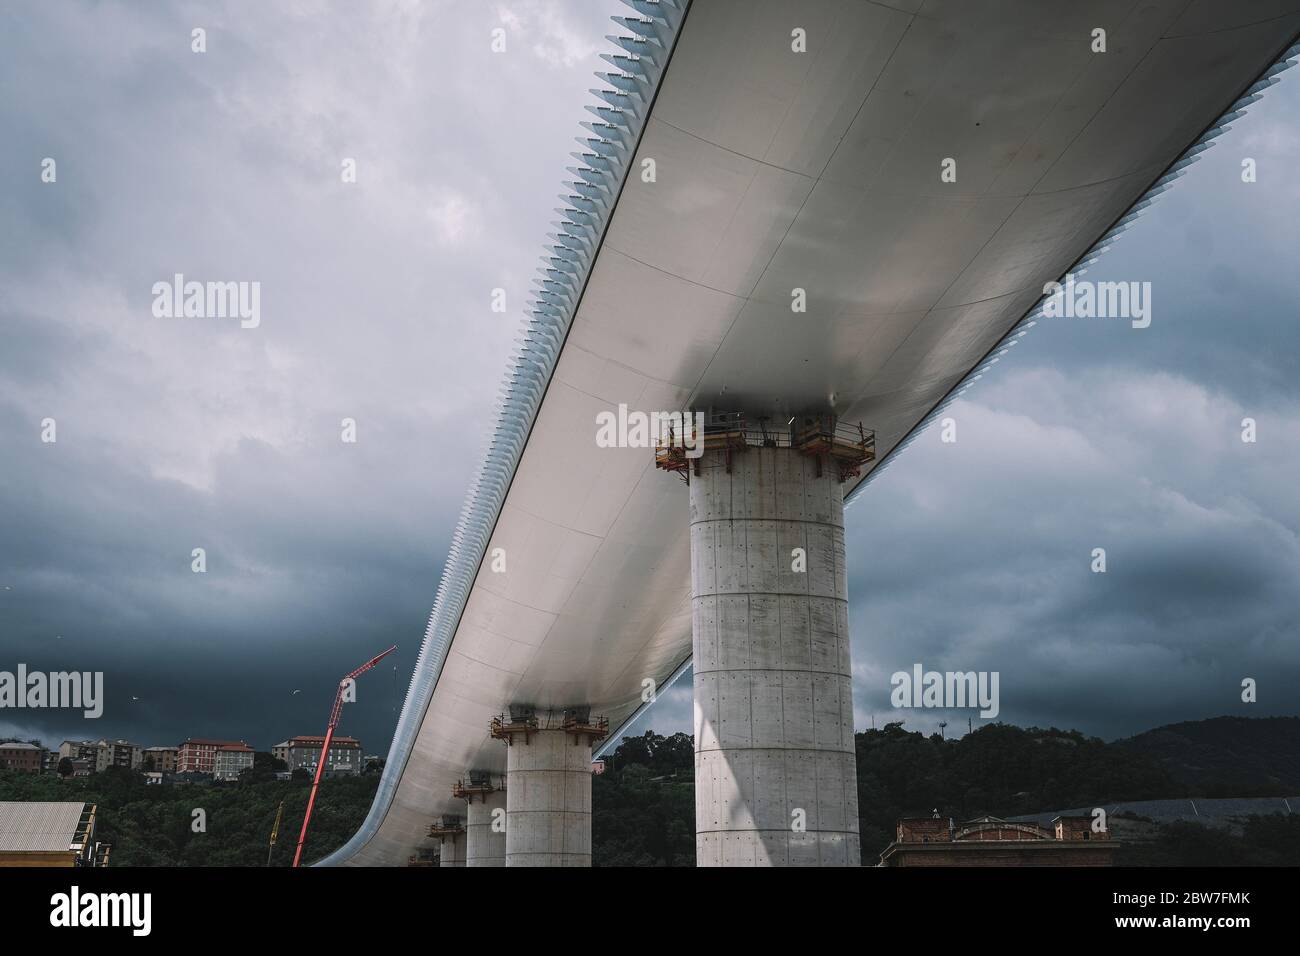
[37,827]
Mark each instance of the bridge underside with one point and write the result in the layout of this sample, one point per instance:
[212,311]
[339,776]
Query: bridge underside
[820,171]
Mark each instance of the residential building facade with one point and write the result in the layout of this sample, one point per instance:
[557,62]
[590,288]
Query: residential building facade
[160,759]
[19,756]
[117,753]
[303,753]
[199,755]
[79,750]
[231,759]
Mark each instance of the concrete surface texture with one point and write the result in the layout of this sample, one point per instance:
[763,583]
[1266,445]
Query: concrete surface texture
[548,800]
[485,846]
[779,170]
[775,773]
[453,851]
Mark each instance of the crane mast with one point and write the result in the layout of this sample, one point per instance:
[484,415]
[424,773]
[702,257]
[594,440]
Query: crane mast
[335,713]
[275,832]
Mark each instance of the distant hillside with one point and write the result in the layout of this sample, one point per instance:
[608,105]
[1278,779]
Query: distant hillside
[999,769]
[155,825]
[643,805]
[1226,756]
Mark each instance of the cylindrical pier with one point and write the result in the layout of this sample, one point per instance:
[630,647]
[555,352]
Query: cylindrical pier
[775,772]
[548,786]
[485,820]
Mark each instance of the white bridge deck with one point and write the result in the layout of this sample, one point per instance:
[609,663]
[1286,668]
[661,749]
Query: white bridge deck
[778,170]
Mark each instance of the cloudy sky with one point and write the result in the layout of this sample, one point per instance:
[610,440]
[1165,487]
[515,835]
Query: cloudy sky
[174,435]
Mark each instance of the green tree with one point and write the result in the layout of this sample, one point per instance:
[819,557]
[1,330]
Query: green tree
[151,825]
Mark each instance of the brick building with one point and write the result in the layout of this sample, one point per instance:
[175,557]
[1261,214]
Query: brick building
[199,755]
[990,841]
[19,756]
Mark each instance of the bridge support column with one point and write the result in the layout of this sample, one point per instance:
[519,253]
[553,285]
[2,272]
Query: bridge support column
[450,832]
[485,817]
[775,772]
[548,785]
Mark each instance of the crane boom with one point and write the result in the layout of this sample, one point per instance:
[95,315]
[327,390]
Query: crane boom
[335,713]
[275,832]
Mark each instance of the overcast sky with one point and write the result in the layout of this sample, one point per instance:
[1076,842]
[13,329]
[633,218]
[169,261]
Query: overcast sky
[174,435]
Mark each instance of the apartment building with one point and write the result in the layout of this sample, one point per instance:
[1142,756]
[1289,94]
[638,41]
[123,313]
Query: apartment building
[117,753]
[160,759]
[303,753]
[20,756]
[231,759]
[199,755]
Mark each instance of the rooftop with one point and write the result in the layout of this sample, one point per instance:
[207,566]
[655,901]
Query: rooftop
[39,827]
[316,741]
[205,742]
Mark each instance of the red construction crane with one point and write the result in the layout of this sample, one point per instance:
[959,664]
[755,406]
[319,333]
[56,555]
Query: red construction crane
[325,748]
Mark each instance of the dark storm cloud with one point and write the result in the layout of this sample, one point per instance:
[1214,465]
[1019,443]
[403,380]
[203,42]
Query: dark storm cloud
[976,555]
[180,434]
[1219,253]
[1199,587]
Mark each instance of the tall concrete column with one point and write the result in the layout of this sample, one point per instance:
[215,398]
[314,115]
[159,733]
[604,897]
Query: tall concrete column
[453,851]
[548,786]
[485,818]
[775,773]
[449,830]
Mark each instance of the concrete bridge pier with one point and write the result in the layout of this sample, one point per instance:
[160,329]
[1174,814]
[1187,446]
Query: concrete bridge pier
[548,784]
[449,830]
[485,815]
[775,772]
